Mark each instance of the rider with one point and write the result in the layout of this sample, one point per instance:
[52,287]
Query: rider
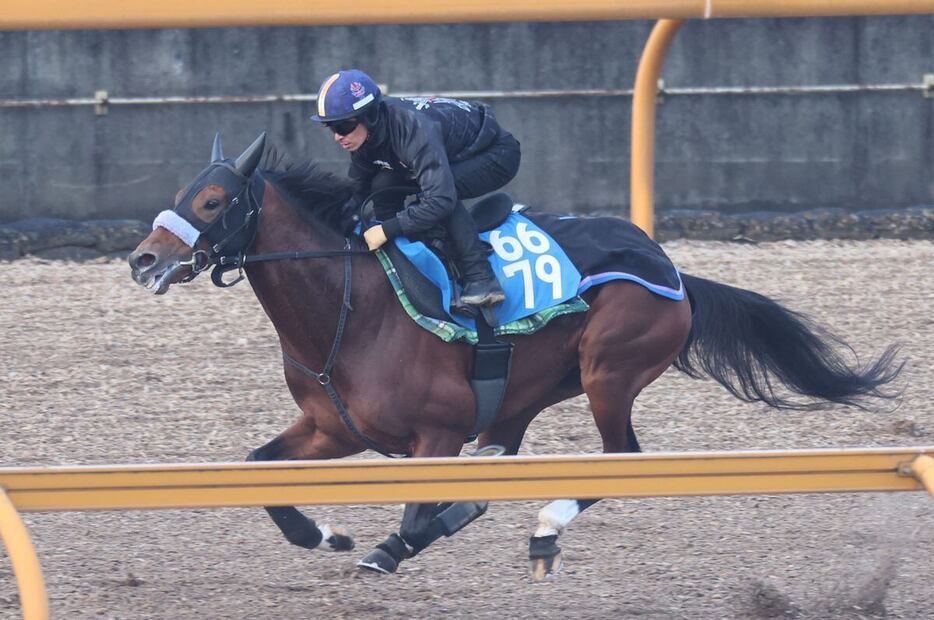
[442,150]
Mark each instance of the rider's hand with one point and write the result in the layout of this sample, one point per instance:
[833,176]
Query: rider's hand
[375,237]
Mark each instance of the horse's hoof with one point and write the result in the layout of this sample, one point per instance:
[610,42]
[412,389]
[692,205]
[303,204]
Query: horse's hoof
[337,539]
[378,561]
[545,555]
[490,450]
[546,568]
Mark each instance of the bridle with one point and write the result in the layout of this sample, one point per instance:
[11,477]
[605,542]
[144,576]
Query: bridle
[233,231]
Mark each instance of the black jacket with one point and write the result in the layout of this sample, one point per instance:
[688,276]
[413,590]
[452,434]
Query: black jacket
[418,138]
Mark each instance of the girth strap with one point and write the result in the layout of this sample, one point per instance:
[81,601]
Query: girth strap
[492,361]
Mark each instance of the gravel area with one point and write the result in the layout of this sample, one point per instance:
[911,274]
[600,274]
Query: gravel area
[96,370]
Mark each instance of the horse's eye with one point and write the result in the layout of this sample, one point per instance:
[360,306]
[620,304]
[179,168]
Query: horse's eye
[212,204]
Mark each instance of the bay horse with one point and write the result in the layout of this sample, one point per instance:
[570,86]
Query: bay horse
[387,384]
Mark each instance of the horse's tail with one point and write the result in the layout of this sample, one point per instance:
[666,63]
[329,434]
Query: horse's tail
[747,341]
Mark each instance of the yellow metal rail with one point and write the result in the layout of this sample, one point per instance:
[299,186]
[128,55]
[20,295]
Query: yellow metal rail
[642,161]
[456,479]
[432,480]
[26,566]
[51,14]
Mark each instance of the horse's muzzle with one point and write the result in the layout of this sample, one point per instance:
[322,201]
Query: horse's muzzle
[148,272]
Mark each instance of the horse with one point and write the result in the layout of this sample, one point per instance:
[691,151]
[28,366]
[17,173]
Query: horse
[389,385]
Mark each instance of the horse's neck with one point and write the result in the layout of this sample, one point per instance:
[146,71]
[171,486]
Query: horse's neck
[303,297]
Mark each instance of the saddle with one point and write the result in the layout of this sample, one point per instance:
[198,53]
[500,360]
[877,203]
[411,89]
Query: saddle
[424,295]
[492,358]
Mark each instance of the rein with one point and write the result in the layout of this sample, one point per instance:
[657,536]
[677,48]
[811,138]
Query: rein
[222,263]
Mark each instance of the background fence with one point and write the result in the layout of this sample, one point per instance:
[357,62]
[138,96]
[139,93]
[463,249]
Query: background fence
[847,123]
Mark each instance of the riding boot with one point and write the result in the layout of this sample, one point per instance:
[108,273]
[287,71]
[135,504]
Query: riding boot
[481,288]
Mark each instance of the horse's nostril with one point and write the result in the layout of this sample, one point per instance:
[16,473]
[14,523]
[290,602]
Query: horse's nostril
[143,261]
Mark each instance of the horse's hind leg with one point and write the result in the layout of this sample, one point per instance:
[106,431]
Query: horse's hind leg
[629,341]
[302,441]
[544,552]
[423,524]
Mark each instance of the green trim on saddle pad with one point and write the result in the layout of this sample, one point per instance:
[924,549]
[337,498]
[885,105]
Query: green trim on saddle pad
[449,331]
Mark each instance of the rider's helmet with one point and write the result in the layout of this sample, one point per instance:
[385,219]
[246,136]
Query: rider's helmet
[347,94]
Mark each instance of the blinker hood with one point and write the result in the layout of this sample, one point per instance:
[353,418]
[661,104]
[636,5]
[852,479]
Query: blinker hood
[231,175]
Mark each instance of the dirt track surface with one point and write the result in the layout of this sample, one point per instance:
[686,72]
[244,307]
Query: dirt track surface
[95,370]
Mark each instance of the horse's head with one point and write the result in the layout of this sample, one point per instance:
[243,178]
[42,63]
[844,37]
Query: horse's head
[215,216]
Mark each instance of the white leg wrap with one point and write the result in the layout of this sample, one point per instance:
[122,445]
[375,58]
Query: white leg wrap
[326,533]
[556,516]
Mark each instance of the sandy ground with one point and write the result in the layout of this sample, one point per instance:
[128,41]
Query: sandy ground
[96,370]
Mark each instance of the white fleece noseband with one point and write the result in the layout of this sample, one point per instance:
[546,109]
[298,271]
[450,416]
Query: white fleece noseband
[178,226]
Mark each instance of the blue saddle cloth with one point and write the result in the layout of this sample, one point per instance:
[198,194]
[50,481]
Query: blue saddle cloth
[543,260]
[533,270]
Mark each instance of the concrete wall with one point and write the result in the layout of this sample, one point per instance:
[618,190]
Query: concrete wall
[733,153]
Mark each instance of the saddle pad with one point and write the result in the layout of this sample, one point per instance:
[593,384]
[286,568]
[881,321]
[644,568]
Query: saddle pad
[531,267]
[600,249]
[450,331]
[611,248]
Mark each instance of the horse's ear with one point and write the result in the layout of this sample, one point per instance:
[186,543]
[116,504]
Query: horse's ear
[249,159]
[217,152]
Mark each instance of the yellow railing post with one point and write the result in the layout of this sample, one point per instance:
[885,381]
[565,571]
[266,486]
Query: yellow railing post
[26,566]
[923,469]
[642,173]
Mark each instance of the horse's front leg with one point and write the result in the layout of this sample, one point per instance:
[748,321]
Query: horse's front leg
[423,524]
[303,441]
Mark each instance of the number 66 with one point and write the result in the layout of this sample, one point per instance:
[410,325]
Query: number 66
[511,249]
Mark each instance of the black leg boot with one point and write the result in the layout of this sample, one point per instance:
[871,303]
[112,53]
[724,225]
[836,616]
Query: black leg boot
[481,288]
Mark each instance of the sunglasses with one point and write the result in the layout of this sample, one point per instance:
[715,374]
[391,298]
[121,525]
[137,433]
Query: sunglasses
[344,127]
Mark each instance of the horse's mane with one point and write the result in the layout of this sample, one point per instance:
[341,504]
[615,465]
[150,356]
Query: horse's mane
[318,193]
